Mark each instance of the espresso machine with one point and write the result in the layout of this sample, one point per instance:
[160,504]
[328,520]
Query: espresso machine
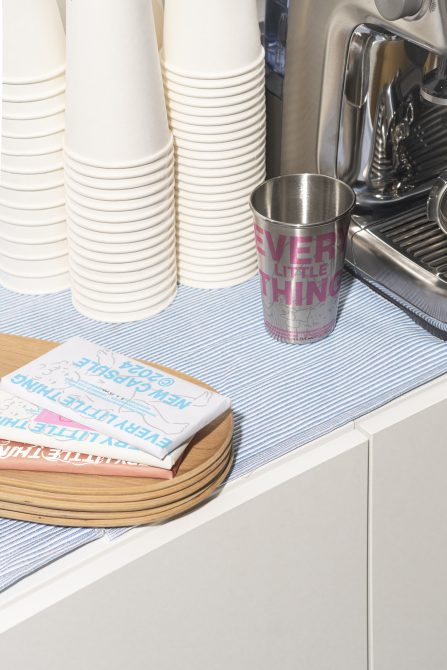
[357,89]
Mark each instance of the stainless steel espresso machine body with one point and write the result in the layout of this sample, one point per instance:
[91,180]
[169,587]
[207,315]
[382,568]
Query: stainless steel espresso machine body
[361,94]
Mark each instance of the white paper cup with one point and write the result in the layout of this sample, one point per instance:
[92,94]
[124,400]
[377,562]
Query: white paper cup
[129,205]
[33,128]
[115,107]
[33,215]
[108,299]
[120,195]
[119,317]
[229,80]
[116,253]
[35,146]
[29,182]
[33,41]
[41,91]
[212,96]
[215,239]
[180,119]
[32,164]
[159,162]
[124,302]
[123,309]
[137,219]
[123,282]
[203,166]
[33,109]
[34,285]
[220,212]
[215,234]
[216,260]
[209,37]
[127,231]
[33,232]
[115,243]
[215,256]
[217,280]
[158,255]
[226,149]
[222,184]
[158,11]
[32,249]
[220,134]
[222,176]
[115,186]
[41,267]
[192,107]
[31,199]
[232,198]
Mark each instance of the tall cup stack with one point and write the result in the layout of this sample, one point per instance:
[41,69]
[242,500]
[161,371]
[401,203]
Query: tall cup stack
[33,240]
[213,68]
[119,163]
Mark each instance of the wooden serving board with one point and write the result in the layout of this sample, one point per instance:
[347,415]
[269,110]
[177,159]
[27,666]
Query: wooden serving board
[77,499]
[40,500]
[164,514]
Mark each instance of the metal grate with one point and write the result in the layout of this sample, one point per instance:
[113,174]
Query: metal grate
[417,238]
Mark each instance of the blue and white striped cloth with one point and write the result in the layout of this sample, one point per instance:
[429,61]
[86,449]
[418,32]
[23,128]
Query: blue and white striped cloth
[283,395]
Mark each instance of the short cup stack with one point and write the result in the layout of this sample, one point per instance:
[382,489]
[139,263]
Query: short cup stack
[213,67]
[33,241]
[119,163]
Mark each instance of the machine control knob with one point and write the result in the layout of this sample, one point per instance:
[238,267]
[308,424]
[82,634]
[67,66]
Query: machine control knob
[392,10]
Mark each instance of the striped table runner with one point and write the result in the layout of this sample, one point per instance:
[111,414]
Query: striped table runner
[283,395]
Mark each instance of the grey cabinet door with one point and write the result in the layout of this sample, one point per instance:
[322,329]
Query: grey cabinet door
[275,579]
[408,532]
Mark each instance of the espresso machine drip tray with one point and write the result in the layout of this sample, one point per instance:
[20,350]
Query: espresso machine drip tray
[406,254]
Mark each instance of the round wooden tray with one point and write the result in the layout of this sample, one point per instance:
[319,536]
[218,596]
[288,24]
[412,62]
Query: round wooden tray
[91,500]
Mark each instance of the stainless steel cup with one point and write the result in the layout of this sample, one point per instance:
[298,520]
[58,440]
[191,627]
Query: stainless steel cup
[301,225]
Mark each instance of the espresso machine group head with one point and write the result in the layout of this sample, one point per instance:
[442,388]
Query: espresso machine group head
[357,89]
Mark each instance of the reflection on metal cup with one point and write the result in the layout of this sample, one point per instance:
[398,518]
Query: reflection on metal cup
[301,225]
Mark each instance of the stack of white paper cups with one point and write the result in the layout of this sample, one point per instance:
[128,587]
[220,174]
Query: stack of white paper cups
[119,163]
[33,243]
[213,67]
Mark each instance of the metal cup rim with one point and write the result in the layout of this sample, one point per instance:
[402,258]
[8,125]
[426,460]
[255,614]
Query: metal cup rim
[298,224]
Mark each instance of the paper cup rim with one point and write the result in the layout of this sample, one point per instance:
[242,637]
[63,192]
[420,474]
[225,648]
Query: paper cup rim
[52,257]
[47,133]
[39,98]
[108,317]
[32,172]
[158,196]
[123,166]
[120,221]
[36,80]
[242,142]
[21,154]
[150,291]
[138,265]
[214,76]
[89,171]
[78,188]
[248,114]
[33,117]
[85,180]
[224,100]
[214,95]
[32,190]
[90,275]
[107,247]
[79,221]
